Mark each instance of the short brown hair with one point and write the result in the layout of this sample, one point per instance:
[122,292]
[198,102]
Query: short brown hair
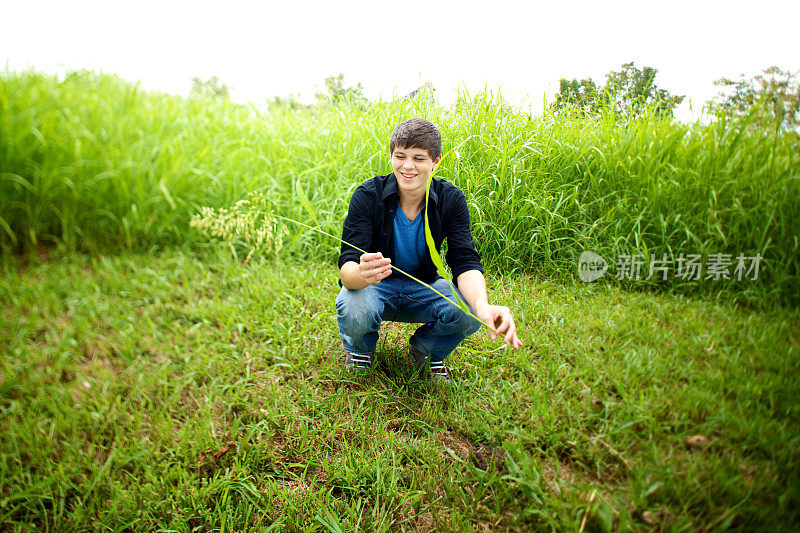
[417,133]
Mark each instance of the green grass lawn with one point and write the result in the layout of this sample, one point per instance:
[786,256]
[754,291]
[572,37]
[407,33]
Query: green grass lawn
[191,393]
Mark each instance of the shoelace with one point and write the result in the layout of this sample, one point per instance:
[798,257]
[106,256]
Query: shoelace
[361,360]
[438,368]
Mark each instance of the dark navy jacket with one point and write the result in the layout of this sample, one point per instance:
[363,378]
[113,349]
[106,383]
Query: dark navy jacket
[370,218]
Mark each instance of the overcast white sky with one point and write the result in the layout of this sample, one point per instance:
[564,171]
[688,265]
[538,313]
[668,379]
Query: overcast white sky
[265,49]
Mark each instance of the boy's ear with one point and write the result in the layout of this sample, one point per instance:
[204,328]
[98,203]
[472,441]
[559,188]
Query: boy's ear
[436,161]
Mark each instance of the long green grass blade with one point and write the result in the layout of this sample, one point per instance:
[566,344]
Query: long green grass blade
[434,253]
[8,230]
[465,308]
[304,200]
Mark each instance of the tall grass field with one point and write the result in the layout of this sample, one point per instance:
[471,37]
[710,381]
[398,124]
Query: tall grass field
[92,163]
[150,380]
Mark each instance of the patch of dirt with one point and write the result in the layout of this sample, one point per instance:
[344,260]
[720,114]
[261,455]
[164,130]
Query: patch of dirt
[8,314]
[410,521]
[748,472]
[563,478]
[296,487]
[39,337]
[43,253]
[288,489]
[484,456]
[318,474]
[270,377]
[197,523]
[455,444]
[556,472]
[98,357]
[208,460]
[99,364]
[660,518]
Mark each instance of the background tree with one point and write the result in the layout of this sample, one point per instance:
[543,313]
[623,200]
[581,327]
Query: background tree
[426,91]
[771,99]
[337,92]
[291,102]
[581,95]
[632,91]
[211,87]
[628,92]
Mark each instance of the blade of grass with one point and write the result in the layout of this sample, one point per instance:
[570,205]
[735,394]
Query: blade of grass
[467,311]
[434,253]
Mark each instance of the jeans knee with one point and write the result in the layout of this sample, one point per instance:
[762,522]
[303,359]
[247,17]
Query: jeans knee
[357,312]
[459,321]
[467,324]
[471,325]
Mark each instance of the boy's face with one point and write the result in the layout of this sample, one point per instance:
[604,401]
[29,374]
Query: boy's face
[412,167]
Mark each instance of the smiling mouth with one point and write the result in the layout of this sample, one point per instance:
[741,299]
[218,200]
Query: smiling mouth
[406,176]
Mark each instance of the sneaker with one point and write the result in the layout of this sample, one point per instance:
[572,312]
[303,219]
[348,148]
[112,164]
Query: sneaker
[420,359]
[358,362]
[438,370]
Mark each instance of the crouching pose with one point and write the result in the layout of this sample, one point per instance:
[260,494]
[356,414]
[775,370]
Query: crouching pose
[386,217]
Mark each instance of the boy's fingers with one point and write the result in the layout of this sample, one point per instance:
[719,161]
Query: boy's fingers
[511,329]
[515,342]
[374,266]
[375,270]
[511,335]
[503,321]
[366,258]
[375,260]
[508,328]
[372,272]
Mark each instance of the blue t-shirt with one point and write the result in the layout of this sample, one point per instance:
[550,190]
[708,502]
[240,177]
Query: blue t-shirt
[409,242]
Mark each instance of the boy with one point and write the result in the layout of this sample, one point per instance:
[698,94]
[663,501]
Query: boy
[386,218]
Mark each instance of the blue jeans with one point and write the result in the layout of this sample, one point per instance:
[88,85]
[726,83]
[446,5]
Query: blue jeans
[400,299]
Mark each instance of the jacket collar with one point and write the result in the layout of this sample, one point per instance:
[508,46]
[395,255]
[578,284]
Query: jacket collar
[390,188]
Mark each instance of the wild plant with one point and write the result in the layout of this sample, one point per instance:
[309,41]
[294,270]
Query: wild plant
[247,225]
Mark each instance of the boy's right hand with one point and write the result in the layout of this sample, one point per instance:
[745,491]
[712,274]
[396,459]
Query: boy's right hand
[374,267]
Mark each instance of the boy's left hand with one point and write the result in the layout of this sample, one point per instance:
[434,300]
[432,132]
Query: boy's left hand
[500,317]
